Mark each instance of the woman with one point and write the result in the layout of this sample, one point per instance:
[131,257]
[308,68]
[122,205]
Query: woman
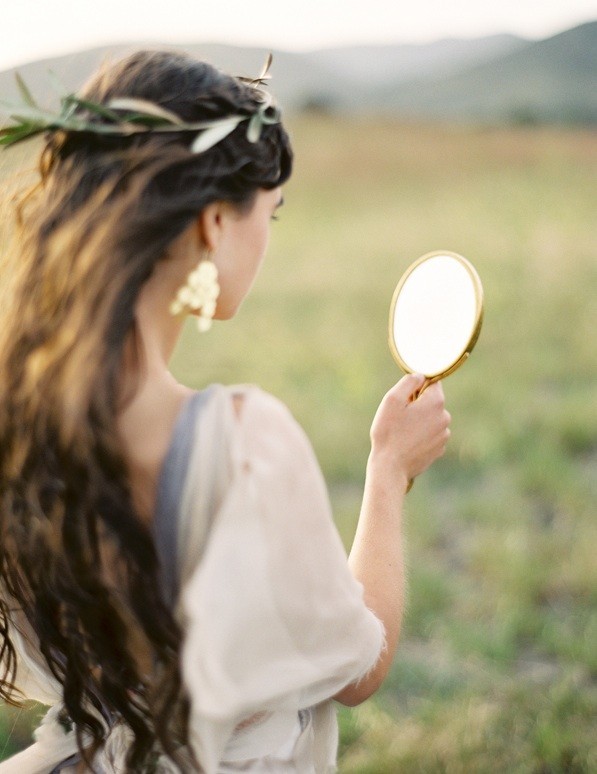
[173,584]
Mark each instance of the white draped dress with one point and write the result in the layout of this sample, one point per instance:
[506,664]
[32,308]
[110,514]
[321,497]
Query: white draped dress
[274,622]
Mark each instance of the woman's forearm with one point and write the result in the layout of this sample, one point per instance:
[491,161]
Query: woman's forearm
[408,433]
[376,560]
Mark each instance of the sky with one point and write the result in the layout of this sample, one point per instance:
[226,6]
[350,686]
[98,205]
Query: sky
[36,29]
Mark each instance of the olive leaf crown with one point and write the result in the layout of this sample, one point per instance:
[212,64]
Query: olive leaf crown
[127,116]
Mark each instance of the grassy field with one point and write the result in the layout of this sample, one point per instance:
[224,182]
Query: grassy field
[497,670]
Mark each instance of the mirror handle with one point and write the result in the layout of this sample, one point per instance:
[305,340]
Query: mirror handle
[428,382]
[414,397]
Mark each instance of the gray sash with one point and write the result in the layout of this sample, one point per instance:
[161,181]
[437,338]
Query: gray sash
[171,484]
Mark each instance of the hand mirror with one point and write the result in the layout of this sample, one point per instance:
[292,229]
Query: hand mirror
[436,315]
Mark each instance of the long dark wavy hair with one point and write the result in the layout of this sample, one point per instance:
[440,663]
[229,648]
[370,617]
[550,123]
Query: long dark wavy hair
[89,236]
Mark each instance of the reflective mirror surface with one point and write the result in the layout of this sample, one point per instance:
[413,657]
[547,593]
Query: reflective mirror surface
[436,315]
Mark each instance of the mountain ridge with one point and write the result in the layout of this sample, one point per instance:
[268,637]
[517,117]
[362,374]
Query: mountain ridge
[546,81]
[492,79]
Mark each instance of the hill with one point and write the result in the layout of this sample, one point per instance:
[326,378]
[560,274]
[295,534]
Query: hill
[544,81]
[495,79]
[365,65]
[295,77]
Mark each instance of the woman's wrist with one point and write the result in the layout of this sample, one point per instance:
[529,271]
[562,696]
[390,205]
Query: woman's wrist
[386,473]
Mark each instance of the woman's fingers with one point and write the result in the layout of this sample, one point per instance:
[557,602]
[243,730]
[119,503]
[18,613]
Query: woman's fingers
[408,387]
[410,430]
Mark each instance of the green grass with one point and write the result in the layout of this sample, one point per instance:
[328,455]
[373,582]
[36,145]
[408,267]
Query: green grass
[497,670]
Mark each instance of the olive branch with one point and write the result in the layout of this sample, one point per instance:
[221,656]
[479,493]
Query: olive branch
[127,116]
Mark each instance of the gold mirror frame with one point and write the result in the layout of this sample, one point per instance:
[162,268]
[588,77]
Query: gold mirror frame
[478,290]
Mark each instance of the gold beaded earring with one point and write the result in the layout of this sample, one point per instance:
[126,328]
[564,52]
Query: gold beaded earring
[199,292]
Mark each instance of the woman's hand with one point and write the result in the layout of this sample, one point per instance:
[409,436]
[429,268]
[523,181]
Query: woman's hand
[408,433]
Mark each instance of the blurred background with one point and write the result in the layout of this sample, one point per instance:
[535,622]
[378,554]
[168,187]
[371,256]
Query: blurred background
[462,128]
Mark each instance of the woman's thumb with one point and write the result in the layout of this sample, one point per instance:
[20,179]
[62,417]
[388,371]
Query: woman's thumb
[409,386]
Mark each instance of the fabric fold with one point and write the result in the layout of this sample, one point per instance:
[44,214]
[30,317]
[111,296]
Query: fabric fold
[274,619]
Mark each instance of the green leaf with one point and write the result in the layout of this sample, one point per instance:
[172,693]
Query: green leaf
[25,113]
[25,93]
[217,131]
[69,106]
[76,125]
[254,128]
[93,107]
[9,131]
[14,134]
[142,107]
[144,120]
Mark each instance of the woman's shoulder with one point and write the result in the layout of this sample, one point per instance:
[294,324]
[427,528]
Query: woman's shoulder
[248,392]
[258,410]
[249,401]
[250,423]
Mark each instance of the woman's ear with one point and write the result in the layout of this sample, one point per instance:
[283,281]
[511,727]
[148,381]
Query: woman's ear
[210,225]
